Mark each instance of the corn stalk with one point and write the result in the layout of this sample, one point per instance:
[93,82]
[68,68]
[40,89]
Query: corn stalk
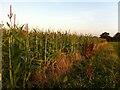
[27,58]
[10,42]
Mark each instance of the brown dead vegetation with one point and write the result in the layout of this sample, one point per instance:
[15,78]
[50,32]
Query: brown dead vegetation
[63,64]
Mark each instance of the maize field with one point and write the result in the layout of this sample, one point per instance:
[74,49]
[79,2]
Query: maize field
[47,59]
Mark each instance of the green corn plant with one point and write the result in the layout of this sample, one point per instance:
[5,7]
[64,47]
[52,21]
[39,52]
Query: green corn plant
[36,42]
[1,28]
[10,42]
[27,73]
[56,41]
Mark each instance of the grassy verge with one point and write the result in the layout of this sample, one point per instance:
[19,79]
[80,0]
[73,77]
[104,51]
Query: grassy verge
[106,70]
[116,46]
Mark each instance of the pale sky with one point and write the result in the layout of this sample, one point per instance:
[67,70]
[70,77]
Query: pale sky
[93,17]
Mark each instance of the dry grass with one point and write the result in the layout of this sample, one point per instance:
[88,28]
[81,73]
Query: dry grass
[62,65]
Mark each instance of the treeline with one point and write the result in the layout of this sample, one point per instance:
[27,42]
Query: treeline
[115,38]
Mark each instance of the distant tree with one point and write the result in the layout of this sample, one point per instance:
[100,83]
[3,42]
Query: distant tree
[106,36]
[116,37]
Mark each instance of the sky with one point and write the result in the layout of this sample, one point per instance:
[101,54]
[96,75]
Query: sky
[88,17]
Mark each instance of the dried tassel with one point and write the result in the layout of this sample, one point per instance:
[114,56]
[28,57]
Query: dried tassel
[26,27]
[14,20]
[11,12]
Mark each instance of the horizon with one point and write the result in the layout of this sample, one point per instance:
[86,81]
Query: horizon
[81,17]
